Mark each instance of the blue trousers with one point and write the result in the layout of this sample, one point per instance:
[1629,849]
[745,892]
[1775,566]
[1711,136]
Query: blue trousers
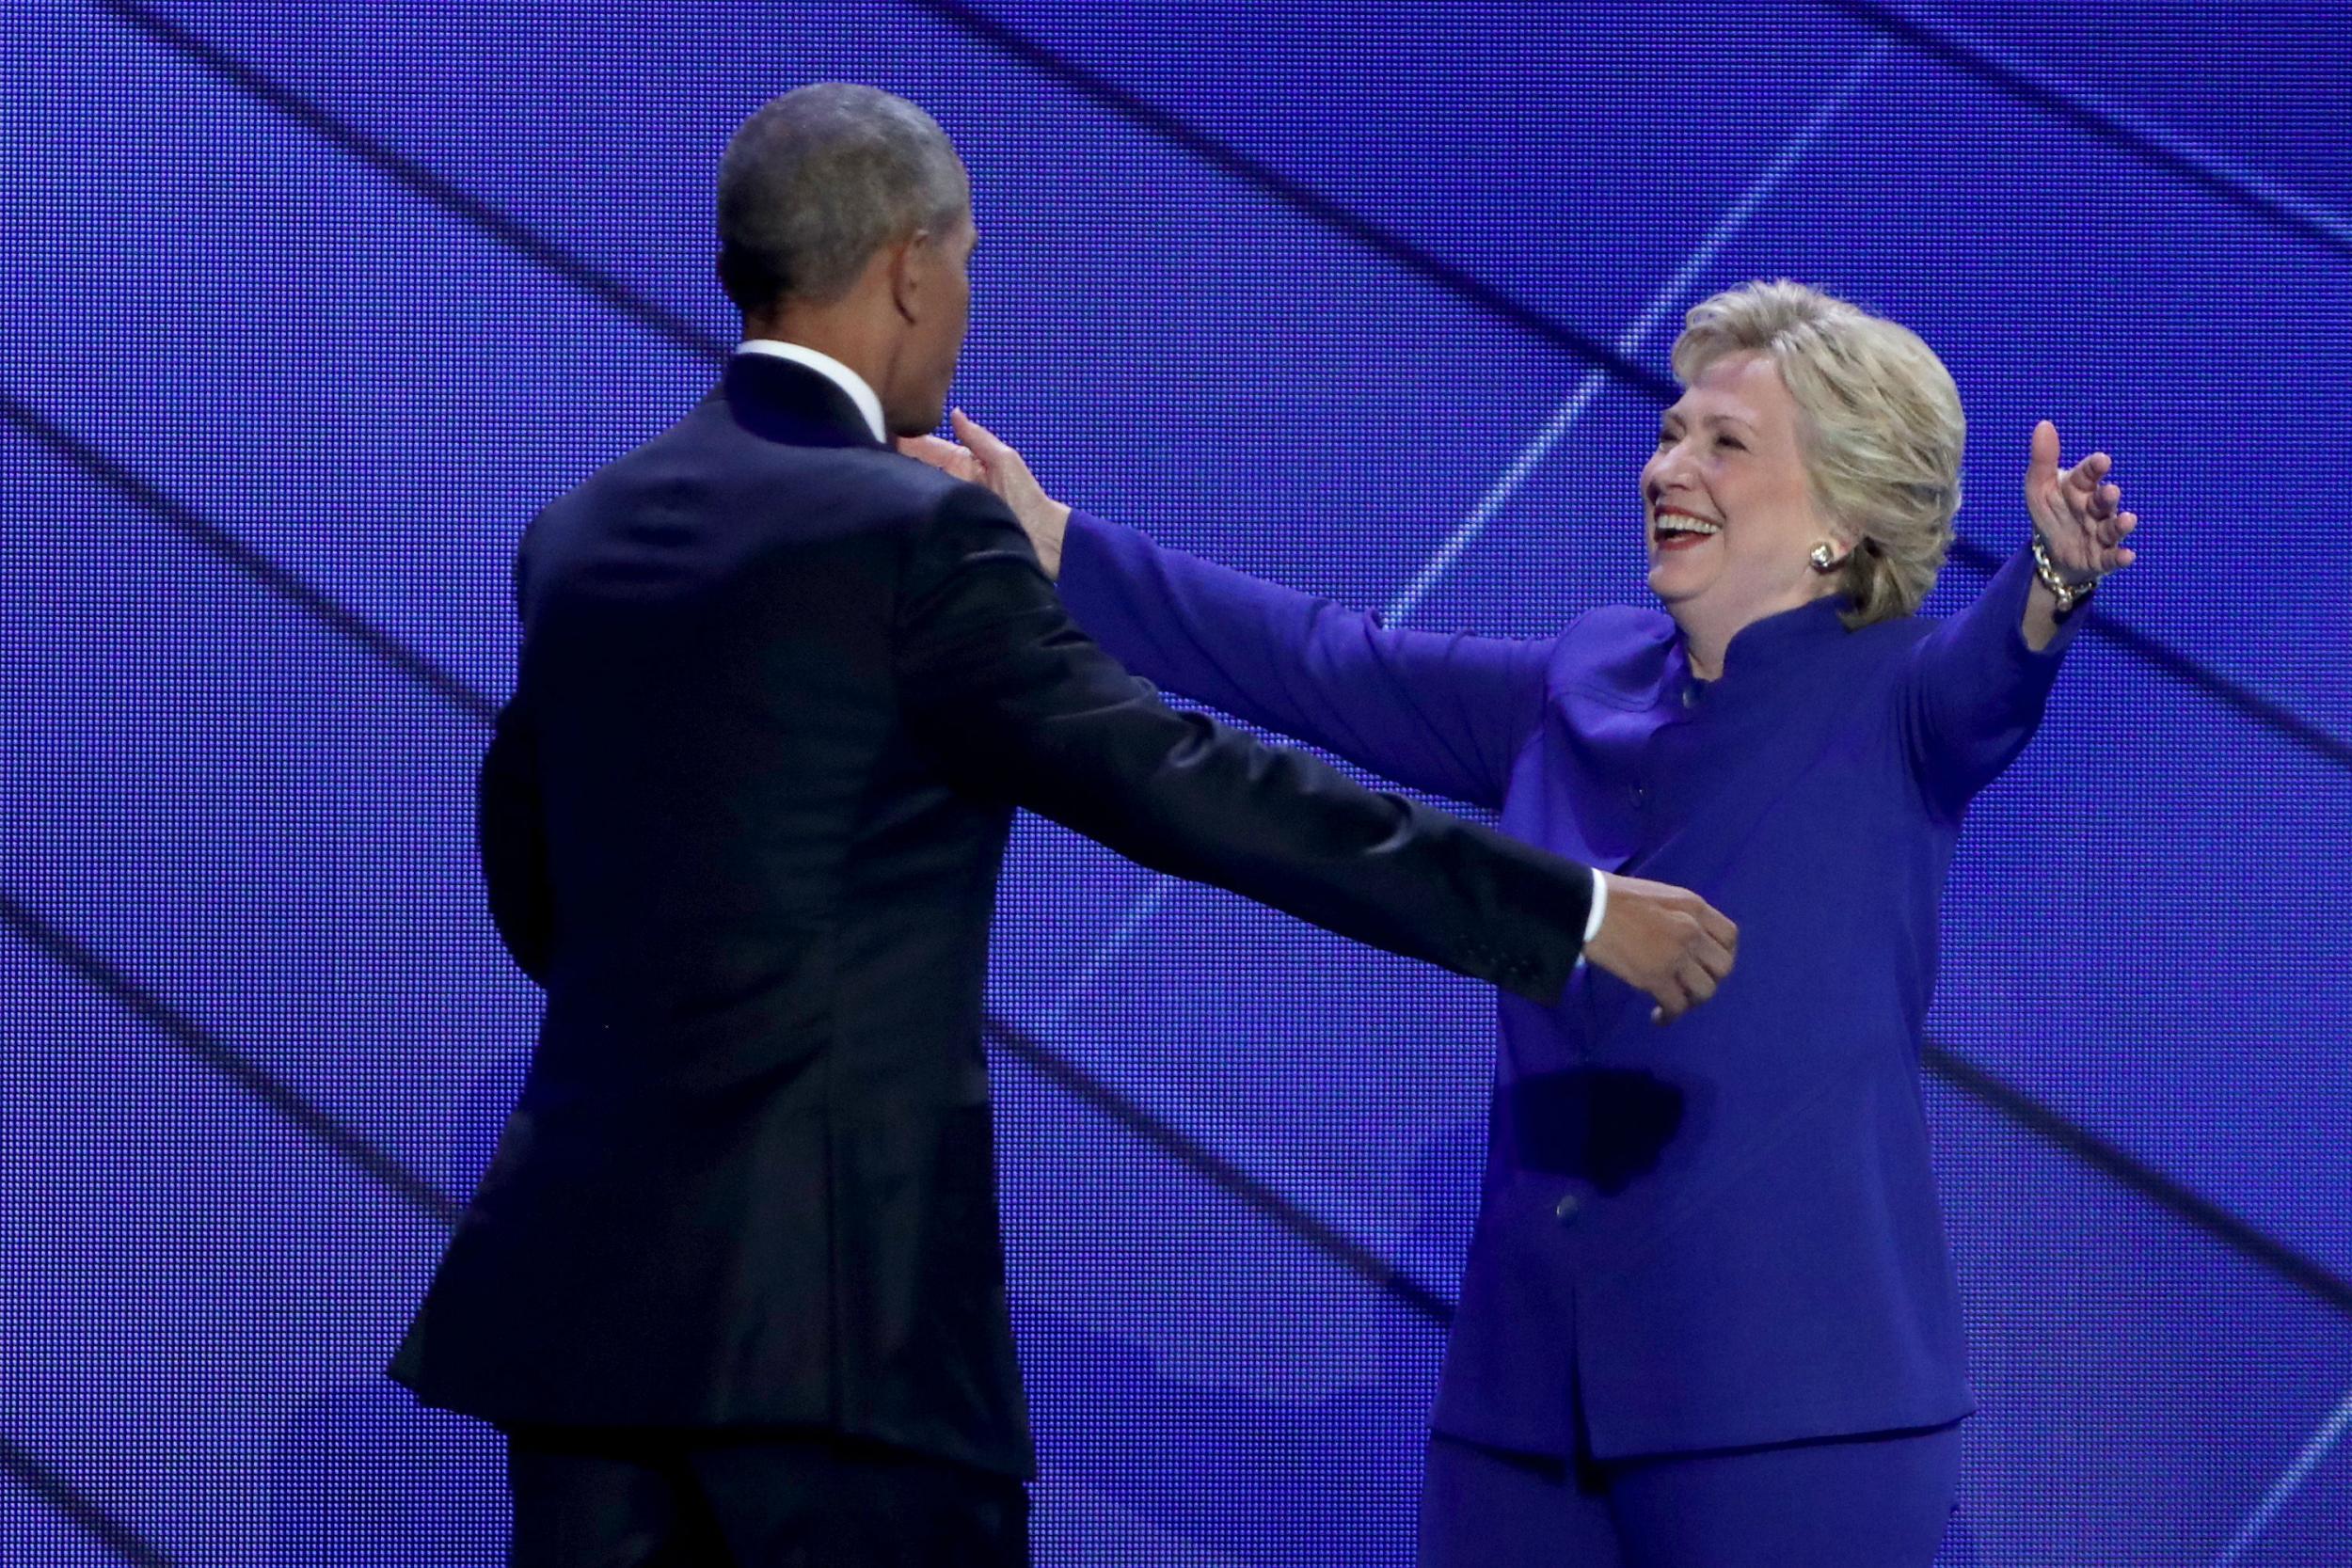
[1880,1501]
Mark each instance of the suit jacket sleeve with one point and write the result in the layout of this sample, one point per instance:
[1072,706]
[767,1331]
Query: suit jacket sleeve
[510,830]
[1446,714]
[1973,694]
[1017,701]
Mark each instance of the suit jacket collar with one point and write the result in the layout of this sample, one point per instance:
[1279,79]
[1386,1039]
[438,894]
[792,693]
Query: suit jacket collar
[790,403]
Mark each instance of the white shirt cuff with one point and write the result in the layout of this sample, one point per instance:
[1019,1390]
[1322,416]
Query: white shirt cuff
[1599,911]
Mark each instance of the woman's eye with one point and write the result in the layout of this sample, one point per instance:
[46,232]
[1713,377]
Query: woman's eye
[1732,442]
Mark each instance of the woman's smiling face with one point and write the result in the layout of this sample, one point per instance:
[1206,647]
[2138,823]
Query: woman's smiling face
[1730,510]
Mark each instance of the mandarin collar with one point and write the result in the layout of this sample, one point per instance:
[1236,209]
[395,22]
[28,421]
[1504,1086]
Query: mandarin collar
[1762,646]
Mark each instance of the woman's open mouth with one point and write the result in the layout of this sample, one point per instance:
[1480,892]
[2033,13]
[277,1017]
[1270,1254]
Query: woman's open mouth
[1679,531]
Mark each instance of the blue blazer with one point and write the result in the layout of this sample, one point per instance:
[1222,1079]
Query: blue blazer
[1724,1233]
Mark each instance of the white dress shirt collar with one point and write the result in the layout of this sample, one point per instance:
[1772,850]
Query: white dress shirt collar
[833,370]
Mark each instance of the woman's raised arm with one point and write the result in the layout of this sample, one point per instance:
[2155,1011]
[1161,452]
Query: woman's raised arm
[1978,682]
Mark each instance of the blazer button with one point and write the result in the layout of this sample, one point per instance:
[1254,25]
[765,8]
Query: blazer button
[1640,794]
[1566,1210]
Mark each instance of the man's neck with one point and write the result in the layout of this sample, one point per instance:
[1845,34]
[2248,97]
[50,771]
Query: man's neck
[845,336]
[845,374]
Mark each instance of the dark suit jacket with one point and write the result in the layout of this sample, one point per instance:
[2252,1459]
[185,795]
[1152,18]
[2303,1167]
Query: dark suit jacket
[781,688]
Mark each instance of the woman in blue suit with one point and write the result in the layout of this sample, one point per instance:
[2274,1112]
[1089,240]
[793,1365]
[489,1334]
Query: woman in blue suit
[1709,1316]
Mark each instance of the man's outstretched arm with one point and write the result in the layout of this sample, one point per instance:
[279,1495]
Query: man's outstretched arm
[1019,703]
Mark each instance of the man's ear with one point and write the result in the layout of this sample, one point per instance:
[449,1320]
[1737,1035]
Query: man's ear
[907,260]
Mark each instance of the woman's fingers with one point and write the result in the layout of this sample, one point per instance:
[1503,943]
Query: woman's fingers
[2118,556]
[984,445]
[930,448]
[1007,471]
[944,455]
[2082,493]
[980,439]
[2041,462]
[2077,510]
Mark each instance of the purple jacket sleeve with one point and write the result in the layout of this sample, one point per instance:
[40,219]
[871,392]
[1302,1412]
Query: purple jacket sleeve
[1974,693]
[1446,714]
[1017,704]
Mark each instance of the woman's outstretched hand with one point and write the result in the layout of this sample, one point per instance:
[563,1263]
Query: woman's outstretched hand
[982,459]
[2079,515]
[2079,519]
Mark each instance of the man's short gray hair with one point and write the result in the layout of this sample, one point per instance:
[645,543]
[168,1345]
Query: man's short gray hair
[1881,429]
[821,179]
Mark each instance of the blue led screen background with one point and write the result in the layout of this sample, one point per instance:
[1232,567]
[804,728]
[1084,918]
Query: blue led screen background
[308,306]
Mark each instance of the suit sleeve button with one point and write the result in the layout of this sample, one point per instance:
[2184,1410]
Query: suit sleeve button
[1566,1210]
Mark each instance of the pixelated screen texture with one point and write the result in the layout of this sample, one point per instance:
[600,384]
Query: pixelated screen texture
[309,306]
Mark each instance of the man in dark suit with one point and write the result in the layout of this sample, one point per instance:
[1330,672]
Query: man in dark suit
[734,1285]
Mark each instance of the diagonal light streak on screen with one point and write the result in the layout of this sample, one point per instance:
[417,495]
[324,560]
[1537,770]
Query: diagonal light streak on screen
[2237,184]
[76,1507]
[2322,1442]
[1516,474]
[1636,335]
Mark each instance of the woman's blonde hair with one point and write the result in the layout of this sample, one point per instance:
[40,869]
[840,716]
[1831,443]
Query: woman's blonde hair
[1881,428]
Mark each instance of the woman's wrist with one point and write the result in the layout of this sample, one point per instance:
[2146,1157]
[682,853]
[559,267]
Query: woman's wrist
[1052,526]
[2069,588]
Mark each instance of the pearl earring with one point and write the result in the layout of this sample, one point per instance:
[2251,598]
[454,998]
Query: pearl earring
[1824,558]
